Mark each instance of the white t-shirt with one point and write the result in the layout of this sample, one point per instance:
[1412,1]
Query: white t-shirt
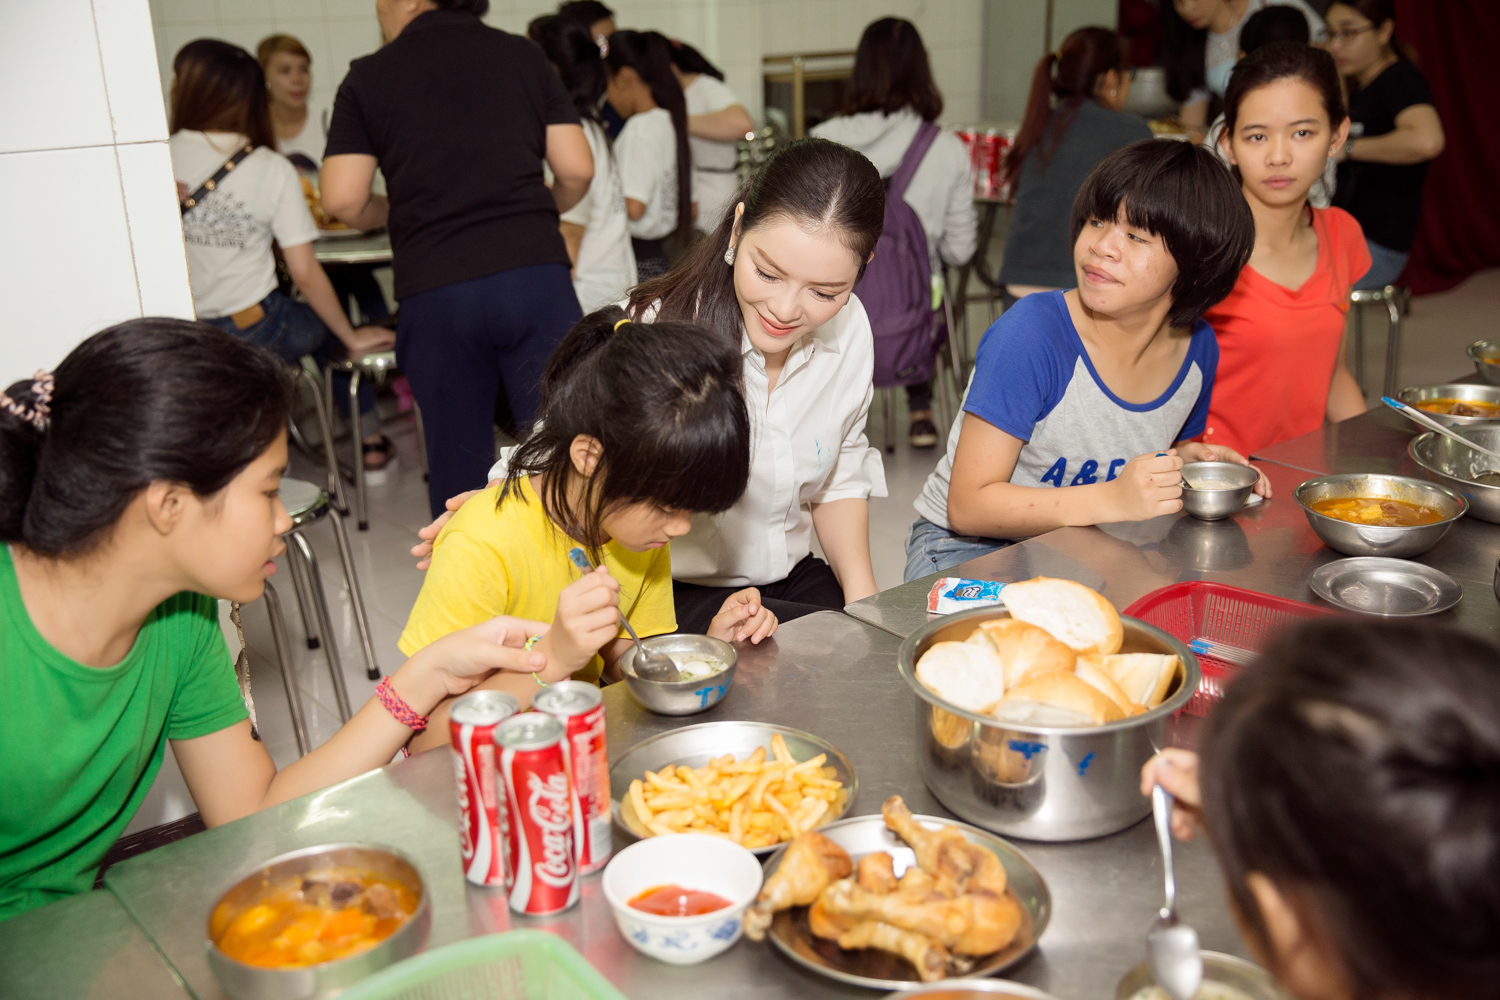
[309,143]
[606,261]
[646,151]
[1221,51]
[228,234]
[716,177]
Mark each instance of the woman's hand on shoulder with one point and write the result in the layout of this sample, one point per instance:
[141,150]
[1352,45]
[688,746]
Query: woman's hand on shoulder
[459,660]
[1197,451]
[422,551]
[1177,771]
[743,616]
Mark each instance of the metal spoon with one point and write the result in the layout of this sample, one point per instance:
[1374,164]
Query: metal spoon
[1417,416]
[648,665]
[1171,946]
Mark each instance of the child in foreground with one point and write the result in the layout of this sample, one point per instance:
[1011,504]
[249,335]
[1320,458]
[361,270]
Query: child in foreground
[1350,783]
[641,426]
[1078,397]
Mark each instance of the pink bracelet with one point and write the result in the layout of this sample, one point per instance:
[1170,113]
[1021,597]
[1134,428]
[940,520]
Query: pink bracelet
[399,709]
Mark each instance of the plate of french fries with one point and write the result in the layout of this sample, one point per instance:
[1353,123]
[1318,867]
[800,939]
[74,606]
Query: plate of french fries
[755,783]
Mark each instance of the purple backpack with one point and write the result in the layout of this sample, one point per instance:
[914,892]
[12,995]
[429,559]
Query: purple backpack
[897,287]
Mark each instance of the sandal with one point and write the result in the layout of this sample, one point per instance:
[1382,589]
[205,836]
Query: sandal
[377,471]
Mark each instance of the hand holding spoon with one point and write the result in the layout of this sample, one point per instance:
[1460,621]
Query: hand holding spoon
[648,665]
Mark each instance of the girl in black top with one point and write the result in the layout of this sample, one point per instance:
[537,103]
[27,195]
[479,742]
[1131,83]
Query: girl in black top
[1395,133]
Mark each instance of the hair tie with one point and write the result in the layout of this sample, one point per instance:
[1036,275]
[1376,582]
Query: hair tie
[621,323]
[40,410]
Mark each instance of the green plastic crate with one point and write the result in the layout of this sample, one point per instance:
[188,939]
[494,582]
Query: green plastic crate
[516,965]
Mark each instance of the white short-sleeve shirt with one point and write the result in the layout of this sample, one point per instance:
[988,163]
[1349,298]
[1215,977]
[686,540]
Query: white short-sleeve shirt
[646,151]
[606,262]
[716,177]
[228,234]
[308,144]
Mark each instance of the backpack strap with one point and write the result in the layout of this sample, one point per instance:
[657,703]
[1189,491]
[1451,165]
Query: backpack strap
[920,143]
[213,182]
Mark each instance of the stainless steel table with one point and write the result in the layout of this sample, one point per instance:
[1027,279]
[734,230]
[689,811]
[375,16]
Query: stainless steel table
[826,673]
[366,248]
[84,946]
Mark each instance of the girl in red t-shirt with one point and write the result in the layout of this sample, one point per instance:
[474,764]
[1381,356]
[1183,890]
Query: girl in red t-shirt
[1281,331]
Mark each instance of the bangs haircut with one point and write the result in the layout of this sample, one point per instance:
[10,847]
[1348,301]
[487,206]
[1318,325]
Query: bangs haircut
[1183,194]
[664,401]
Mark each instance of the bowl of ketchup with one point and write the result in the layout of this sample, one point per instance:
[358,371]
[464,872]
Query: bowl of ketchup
[681,899]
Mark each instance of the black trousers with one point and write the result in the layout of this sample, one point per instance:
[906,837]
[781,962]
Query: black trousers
[810,586]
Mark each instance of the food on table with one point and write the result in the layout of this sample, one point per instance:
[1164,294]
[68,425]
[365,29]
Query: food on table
[967,674]
[318,917]
[1071,612]
[1488,478]
[1057,699]
[1451,407]
[698,668]
[675,901]
[1144,677]
[315,206]
[1379,512]
[1024,649]
[1092,671]
[1209,990]
[1165,126]
[951,731]
[755,802]
[1209,485]
[941,913]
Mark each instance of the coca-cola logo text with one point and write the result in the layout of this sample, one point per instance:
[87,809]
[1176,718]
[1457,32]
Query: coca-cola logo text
[550,808]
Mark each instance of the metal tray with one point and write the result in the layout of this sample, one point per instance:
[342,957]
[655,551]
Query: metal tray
[695,746]
[1392,588]
[863,835]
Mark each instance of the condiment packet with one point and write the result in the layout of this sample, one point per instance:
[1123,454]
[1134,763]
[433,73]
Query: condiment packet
[951,594]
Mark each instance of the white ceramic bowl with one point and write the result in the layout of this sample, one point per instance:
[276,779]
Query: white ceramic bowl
[693,861]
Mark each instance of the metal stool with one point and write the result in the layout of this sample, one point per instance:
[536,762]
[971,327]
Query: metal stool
[307,504]
[304,371]
[378,366]
[1394,299]
[288,677]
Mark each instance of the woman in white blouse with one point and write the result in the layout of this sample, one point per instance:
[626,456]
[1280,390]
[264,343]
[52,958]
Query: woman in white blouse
[780,272]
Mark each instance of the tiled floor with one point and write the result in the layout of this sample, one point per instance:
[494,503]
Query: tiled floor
[1433,342]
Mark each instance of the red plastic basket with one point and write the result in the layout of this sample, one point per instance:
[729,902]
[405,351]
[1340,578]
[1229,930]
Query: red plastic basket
[1198,609]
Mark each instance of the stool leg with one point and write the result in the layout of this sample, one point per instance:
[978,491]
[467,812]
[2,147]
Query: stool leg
[330,453]
[320,603]
[284,659]
[1393,342]
[372,671]
[888,396]
[1359,345]
[361,499]
[304,595]
[421,439]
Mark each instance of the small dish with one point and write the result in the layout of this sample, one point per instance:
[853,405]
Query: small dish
[1213,491]
[684,697]
[1486,357]
[1235,978]
[1391,588]
[1464,392]
[693,861]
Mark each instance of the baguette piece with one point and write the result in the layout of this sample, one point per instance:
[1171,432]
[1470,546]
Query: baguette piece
[1089,670]
[1061,695]
[1079,617]
[965,674]
[1144,677]
[1025,650]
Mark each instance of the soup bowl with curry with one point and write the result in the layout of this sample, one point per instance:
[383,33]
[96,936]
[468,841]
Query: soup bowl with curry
[1372,514]
[1455,404]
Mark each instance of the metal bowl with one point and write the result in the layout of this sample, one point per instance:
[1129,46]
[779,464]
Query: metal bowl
[1414,394]
[972,989]
[313,982]
[1040,782]
[1216,504]
[680,697]
[1247,977]
[1450,464]
[1486,357]
[1368,540]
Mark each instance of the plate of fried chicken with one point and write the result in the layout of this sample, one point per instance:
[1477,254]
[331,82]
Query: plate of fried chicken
[896,900]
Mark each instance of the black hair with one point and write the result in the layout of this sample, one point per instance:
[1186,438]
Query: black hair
[1282,61]
[1377,12]
[690,60]
[1183,48]
[1182,193]
[478,8]
[891,71]
[665,402]
[585,12]
[649,54]
[575,55]
[1071,74]
[817,184]
[219,87]
[1274,24]
[1356,765]
[146,401]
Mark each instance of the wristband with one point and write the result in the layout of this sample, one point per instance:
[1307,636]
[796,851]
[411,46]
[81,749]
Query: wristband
[399,709]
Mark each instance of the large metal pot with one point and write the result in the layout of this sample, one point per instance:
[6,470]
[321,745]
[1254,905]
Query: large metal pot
[1450,464]
[1038,782]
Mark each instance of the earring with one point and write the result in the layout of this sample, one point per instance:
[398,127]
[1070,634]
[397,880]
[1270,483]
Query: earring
[729,255]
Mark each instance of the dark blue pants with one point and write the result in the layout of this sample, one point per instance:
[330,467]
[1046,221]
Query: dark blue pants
[457,343]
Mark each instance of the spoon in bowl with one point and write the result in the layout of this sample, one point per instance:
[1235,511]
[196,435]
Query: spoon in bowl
[1418,417]
[1171,946]
[648,665]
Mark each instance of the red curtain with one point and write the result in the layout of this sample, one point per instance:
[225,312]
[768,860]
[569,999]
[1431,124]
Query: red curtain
[1457,42]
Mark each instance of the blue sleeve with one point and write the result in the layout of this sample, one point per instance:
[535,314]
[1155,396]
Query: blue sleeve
[1205,352]
[1023,365]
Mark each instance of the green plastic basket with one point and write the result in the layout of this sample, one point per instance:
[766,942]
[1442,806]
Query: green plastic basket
[516,965]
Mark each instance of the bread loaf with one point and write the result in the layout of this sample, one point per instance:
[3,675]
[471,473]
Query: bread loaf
[1062,691]
[1089,671]
[1077,616]
[1025,650]
[1144,677]
[965,674]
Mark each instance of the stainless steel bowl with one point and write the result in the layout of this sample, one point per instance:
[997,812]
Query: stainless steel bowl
[1216,504]
[1450,464]
[1040,782]
[1415,394]
[680,697]
[1497,582]
[1486,357]
[1368,540]
[972,989]
[1247,977]
[313,982]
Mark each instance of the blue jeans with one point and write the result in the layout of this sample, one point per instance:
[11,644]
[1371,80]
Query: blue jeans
[1385,267]
[291,329]
[932,549]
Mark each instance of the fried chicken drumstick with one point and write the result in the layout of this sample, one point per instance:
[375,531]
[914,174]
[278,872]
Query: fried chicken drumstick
[810,864]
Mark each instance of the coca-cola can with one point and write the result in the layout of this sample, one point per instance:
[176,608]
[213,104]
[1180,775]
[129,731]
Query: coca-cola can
[580,708]
[969,136]
[543,871]
[483,828]
[991,165]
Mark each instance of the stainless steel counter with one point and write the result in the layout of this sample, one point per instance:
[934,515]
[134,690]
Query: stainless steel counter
[366,248]
[85,946]
[828,674]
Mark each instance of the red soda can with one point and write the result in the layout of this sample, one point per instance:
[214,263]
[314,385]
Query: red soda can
[543,872]
[483,827]
[991,153]
[1004,180]
[969,136]
[580,708]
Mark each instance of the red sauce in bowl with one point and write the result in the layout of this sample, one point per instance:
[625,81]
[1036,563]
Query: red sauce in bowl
[675,901]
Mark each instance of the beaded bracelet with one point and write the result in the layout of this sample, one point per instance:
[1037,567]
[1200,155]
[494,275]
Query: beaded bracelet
[399,709]
[532,642]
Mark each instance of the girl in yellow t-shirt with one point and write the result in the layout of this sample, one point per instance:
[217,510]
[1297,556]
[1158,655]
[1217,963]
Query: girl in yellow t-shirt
[641,427]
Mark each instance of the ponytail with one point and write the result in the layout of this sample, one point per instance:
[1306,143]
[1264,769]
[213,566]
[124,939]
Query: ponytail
[1071,74]
[649,53]
[689,60]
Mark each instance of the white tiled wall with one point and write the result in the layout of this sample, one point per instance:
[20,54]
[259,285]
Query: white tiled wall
[87,203]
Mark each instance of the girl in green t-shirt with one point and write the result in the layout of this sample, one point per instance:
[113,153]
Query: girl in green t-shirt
[137,483]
